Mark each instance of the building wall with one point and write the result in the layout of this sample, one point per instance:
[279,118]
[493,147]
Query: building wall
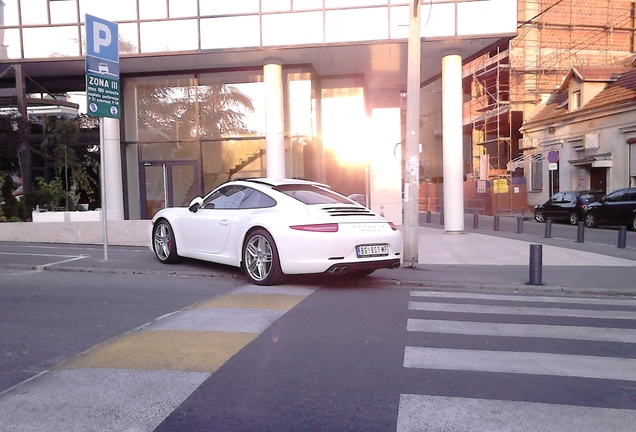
[568,139]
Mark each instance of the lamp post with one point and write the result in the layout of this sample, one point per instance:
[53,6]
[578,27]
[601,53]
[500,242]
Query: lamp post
[412,141]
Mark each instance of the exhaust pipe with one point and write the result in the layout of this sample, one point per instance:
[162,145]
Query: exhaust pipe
[395,265]
[343,270]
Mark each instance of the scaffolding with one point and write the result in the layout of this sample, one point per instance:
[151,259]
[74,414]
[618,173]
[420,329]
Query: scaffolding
[509,83]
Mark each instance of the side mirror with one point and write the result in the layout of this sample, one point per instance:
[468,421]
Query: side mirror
[195,204]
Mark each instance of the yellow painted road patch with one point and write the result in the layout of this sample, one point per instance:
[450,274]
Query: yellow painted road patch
[183,350]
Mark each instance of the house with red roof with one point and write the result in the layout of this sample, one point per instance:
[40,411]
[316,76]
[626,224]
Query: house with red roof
[584,136]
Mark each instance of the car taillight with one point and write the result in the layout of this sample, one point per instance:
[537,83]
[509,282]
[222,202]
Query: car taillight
[328,227]
[392,225]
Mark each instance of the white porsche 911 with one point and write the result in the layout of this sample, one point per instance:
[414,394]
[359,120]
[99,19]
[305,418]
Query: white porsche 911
[273,228]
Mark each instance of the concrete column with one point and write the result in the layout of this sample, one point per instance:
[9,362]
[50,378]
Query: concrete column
[112,166]
[274,120]
[452,143]
[411,169]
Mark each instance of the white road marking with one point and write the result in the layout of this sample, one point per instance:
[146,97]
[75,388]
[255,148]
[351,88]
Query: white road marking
[522,330]
[419,413]
[516,310]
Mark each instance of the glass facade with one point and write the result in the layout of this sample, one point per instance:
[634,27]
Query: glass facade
[185,132]
[55,28]
[215,123]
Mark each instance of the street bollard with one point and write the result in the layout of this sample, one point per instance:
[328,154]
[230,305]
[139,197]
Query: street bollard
[520,225]
[441,217]
[428,216]
[622,237]
[475,221]
[548,228]
[580,233]
[496,227]
[536,262]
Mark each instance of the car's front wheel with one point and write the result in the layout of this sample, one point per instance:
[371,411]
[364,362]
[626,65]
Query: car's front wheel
[163,242]
[538,216]
[632,225]
[590,220]
[261,262]
[573,218]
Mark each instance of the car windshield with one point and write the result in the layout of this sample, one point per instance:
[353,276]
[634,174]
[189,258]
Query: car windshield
[310,194]
[589,197]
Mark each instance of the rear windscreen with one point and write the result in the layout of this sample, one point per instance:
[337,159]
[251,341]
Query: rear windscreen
[309,194]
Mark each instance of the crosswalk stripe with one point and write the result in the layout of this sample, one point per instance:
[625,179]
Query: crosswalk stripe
[520,363]
[441,414]
[521,330]
[521,298]
[515,310]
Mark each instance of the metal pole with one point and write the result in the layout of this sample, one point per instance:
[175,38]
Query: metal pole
[102,168]
[548,228]
[475,221]
[519,225]
[536,262]
[622,237]
[580,233]
[496,227]
[428,217]
[411,167]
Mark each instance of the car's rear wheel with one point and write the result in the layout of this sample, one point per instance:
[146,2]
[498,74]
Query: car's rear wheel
[538,216]
[573,218]
[163,242]
[632,225]
[590,220]
[261,262]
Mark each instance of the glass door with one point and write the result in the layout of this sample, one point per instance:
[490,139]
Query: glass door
[168,184]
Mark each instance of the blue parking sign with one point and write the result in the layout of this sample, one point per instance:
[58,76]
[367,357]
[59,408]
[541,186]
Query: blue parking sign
[102,39]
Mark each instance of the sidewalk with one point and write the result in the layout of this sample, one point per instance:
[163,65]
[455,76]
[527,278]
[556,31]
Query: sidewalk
[468,260]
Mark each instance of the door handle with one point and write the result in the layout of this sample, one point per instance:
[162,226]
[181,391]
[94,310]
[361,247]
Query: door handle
[224,222]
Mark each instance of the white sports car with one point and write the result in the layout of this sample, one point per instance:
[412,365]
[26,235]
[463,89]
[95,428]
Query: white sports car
[273,228]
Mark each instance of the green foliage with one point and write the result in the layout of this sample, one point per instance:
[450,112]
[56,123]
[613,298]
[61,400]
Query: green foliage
[46,195]
[12,210]
[75,171]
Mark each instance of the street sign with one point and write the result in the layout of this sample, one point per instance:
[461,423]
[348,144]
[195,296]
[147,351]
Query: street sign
[102,67]
[103,96]
[553,156]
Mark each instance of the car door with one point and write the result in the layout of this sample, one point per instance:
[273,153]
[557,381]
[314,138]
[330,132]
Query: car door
[610,211]
[553,208]
[207,230]
[625,209]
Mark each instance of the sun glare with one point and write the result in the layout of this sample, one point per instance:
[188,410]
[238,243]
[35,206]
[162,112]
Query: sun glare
[346,129]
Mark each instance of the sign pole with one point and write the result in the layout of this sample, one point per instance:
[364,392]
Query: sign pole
[102,160]
[102,90]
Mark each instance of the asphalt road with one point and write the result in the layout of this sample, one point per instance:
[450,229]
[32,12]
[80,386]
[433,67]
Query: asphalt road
[347,357]
[49,317]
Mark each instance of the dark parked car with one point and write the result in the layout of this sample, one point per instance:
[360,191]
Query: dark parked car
[616,208]
[566,206]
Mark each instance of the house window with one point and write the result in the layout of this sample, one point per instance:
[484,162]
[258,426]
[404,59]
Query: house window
[536,175]
[575,103]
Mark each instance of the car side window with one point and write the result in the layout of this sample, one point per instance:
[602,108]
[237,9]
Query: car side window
[631,195]
[256,199]
[557,197]
[228,197]
[615,196]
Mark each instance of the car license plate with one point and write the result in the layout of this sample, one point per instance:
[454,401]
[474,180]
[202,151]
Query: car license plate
[375,250]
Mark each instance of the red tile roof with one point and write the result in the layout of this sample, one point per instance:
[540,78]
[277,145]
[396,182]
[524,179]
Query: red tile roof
[620,90]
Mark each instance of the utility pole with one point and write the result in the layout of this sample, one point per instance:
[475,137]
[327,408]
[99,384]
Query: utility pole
[411,169]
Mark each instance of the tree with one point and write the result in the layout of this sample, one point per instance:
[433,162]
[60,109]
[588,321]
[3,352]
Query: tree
[62,133]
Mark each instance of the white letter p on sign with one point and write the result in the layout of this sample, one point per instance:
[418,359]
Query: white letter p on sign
[101,36]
